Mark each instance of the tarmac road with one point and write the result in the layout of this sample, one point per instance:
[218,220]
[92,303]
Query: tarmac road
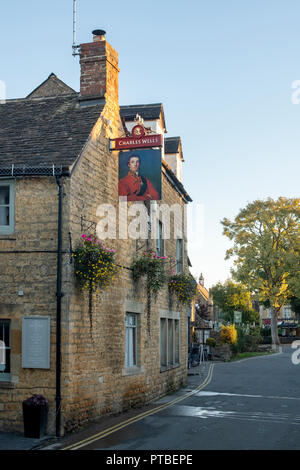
[247,405]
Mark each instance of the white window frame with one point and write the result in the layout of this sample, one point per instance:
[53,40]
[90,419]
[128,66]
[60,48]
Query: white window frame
[9,229]
[5,376]
[169,330]
[131,340]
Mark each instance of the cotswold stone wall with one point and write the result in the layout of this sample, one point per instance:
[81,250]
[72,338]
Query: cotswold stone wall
[28,264]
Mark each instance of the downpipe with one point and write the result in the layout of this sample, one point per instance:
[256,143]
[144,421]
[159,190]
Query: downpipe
[59,296]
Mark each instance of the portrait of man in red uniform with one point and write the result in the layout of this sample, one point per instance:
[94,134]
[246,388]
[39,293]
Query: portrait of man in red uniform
[134,185]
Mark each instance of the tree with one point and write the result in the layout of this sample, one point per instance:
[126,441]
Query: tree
[295,306]
[202,310]
[230,297]
[266,235]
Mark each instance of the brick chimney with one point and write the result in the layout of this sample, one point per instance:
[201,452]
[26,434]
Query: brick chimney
[99,76]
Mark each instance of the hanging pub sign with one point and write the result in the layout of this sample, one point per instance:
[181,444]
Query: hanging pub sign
[138,139]
[140,174]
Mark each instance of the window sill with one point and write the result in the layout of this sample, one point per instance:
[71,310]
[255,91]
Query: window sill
[6,384]
[132,371]
[170,367]
[8,236]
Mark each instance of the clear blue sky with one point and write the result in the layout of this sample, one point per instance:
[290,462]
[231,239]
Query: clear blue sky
[222,69]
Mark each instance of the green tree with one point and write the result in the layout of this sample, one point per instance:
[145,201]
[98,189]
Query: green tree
[266,236]
[295,306]
[231,296]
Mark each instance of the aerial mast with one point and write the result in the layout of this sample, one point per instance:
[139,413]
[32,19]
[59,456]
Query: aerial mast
[75,47]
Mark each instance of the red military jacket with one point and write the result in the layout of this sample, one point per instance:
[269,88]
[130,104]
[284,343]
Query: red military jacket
[137,188]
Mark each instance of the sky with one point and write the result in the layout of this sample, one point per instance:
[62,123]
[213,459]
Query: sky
[222,69]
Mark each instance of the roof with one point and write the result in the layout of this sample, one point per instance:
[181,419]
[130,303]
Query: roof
[172,144]
[149,112]
[45,131]
[52,86]
[203,291]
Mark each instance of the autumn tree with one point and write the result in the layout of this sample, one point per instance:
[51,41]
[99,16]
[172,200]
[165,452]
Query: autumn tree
[232,296]
[266,235]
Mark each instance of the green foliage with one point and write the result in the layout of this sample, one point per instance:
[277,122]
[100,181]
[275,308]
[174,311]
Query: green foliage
[211,342]
[265,332]
[266,236]
[148,263]
[256,332]
[247,342]
[245,355]
[95,266]
[250,316]
[295,306]
[230,297]
[266,247]
[184,287]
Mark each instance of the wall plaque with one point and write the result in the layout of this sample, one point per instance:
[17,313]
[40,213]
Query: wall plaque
[36,342]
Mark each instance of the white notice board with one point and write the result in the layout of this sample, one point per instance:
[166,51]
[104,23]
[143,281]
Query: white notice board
[36,342]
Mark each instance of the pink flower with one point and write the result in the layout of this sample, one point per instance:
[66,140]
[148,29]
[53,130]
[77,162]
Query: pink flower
[83,236]
[89,239]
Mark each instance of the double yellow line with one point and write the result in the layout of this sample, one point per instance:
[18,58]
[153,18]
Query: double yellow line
[117,427]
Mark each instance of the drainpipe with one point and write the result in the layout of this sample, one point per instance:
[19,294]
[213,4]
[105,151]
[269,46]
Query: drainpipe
[59,296]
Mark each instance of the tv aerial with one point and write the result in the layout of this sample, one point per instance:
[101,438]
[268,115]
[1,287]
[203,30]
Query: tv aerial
[75,46]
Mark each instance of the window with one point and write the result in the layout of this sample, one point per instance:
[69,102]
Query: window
[169,342]
[4,350]
[160,240]
[131,325]
[287,312]
[179,256]
[6,207]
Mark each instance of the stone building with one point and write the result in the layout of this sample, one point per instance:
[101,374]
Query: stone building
[103,352]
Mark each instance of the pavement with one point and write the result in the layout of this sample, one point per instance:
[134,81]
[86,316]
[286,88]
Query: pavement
[17,441]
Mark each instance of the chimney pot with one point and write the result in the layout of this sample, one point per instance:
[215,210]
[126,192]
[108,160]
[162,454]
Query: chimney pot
[99,35]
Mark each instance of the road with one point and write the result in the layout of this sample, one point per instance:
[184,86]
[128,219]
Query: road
[247,405]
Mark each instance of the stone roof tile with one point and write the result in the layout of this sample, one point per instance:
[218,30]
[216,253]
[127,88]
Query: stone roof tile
[44,131]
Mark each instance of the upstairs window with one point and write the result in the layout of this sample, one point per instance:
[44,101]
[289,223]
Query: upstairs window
[6,207]
[287,312]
